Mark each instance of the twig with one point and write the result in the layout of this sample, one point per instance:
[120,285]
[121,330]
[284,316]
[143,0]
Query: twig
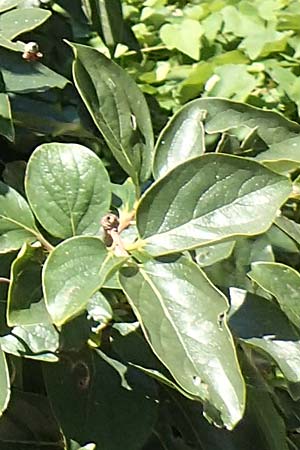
[110,224]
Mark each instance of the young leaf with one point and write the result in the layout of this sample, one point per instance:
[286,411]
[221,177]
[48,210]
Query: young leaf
[73,272]
[118,109]
[281,281]
[16,220]
[182,316]
[207,199]
[185,37]
[68,189]
[25,303]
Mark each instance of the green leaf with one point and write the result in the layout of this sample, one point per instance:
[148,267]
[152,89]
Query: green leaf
[16,220]
[232,272]
[6,123]
[264,41]
[274,138]
[240,24]
[124,196]
[99,309]
[105,392]
[4,384]
[118,109]
[25,303]
[289,227]
[21,76]
[190,338]
[19,21]
[285,353]
[15,46]
[68,189]
[114,29]
[180,140]
[73,272]
[8,4]
[192,85]
[207,199]
[281,240]
[43,117]
[206,256]
[232,81]
[283,282]
[185,37]
[268,422]
[38,342]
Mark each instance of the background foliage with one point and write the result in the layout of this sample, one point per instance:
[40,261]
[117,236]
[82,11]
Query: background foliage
[180,117]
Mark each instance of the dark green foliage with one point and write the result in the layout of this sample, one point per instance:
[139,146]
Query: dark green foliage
[149,261]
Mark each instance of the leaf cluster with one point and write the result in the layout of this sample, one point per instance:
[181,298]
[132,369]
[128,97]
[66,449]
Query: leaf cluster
[149,284]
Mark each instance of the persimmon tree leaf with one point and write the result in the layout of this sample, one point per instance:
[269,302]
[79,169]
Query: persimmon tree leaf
[206,256]
[209,198]
[118,109]
[68,189]
[21,77]
[16,220]
[26,305]
[285,353]
[73,272]
[181,139]
[272,136]
[183,317]
[39,341]
[18,21]
[6,123]
[283,282]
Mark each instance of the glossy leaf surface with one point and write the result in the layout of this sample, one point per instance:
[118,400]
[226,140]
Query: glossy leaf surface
[181,139]
[23,77]
[191,338]
[16,220]
[283,282]
[68,189]
[20,21]
[73,272]
[273,137]
[206,256]
[38,342]
[285,353]
[207,199]
[118,109]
